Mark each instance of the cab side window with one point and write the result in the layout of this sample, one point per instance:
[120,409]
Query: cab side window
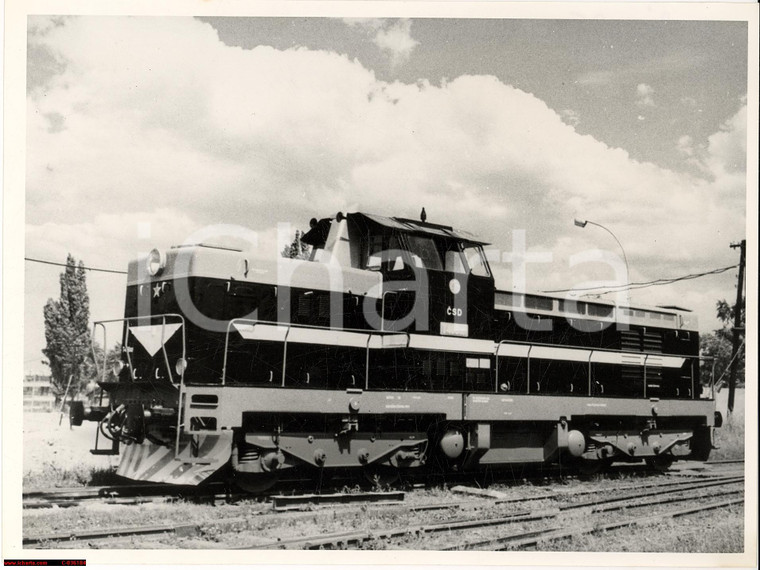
[375,248]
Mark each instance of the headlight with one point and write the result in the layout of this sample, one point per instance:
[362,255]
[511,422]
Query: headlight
[117,367]
[156,262]
[181,366]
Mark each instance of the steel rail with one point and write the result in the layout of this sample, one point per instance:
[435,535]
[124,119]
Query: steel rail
[346,539]
[289,502]
[350,538]
[688,486]
[124,493]
[534,537]
[192,529]
[555,534]
[93,534]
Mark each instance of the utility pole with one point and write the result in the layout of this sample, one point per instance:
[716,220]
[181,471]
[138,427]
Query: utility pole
[738,328]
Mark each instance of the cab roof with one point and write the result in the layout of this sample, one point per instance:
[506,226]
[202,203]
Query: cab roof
[418,227]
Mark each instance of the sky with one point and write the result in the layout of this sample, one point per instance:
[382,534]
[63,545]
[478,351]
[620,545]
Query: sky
[142,131]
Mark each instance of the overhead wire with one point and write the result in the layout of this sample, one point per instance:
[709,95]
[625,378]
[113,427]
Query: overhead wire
[645,284]
[728,366]
[67,265]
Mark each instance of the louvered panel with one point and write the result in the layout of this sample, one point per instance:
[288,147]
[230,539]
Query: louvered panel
[654,382]
[631,373]
[630,341]
[652,342]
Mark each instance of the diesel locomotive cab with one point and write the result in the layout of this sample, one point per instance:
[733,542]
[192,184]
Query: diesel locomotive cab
[435,280]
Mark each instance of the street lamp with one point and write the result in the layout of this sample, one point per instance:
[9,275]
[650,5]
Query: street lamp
[582,224]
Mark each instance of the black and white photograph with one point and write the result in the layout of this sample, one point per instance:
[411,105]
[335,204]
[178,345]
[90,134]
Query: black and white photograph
[437,278]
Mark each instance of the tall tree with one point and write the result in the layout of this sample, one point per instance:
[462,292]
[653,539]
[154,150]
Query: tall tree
[717,345]
[67,330]
[297,249]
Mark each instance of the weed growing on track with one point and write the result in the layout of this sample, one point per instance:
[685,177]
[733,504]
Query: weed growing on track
[50,475]
[705,533]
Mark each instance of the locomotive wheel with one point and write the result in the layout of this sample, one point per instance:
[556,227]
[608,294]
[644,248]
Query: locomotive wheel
[659,463]
[255,483]
[381,475]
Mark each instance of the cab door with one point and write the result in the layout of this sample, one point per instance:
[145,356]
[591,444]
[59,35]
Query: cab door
[480,292]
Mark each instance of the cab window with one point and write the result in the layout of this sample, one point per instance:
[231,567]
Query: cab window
[384,253]
[454,261]
[476,261]
[374,253]
[424,252]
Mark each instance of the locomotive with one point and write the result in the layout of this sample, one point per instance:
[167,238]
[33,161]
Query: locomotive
[388,351]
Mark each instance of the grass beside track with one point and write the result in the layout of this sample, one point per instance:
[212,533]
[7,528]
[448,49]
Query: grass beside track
[709,532]
[258,525]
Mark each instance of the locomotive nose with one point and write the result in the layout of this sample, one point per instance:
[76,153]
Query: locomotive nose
[153,337]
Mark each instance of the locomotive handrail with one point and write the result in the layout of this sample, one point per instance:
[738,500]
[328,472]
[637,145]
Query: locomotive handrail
[366,363]
[690,358]
[712,379]
[92,348]
[607,350]
[527,376]
[645,374]
[285,353]
[382,307]
[370,333]
[691,371]
[125,336]
[288,327]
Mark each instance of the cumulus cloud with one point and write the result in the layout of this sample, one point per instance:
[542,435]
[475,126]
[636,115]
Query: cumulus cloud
[127,124]
[723,158]
[727,148]
[392,37]
[571,117]
[644,94]
[685,146]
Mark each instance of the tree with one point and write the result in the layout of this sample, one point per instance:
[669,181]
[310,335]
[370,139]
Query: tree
[92,370]
[94,365]
[718,345]
[297,249]
[67,331]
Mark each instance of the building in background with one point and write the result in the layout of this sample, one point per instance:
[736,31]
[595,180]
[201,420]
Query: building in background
[38,393]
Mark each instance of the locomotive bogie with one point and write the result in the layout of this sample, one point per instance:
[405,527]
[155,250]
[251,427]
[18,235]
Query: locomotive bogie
[264,452]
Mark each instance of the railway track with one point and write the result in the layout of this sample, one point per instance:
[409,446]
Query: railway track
[217,492]
[119,494]
[535,537]
[606,504]
[626,497]
[279,504]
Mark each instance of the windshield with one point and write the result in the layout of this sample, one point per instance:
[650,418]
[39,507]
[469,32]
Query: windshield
[424,252]
[476,260]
